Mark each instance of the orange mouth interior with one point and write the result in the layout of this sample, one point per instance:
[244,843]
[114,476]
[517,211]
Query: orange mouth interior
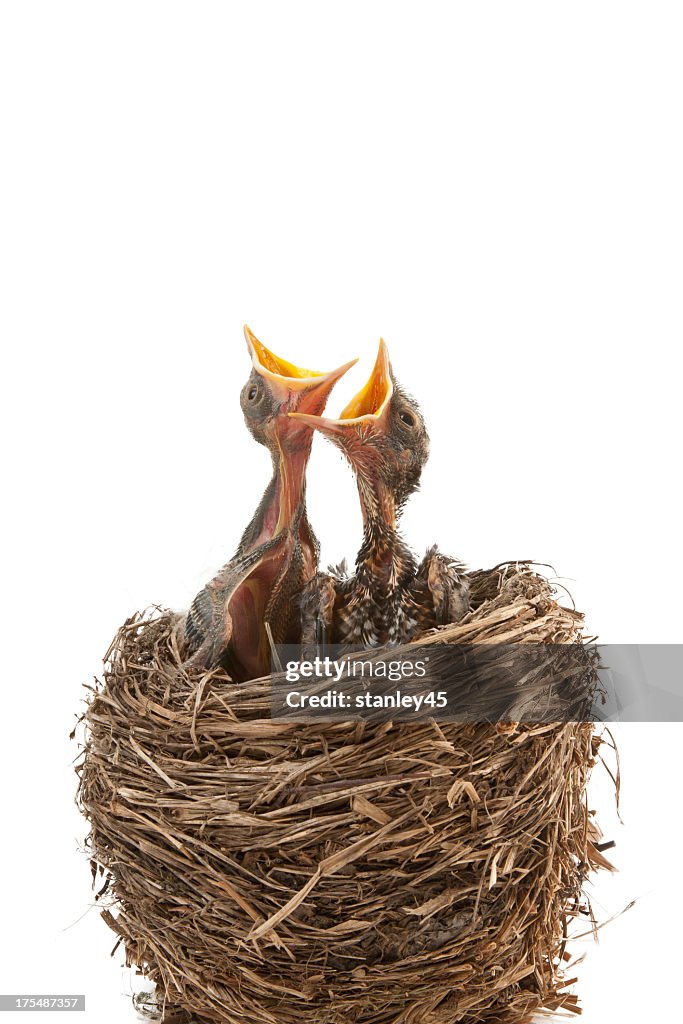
[372,398]
[274,364]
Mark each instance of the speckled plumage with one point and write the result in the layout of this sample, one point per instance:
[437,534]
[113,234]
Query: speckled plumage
[368,608]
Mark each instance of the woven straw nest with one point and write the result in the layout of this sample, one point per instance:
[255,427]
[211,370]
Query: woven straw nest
[275,872]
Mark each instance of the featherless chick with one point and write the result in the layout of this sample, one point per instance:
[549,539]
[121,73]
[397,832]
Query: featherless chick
[229,619]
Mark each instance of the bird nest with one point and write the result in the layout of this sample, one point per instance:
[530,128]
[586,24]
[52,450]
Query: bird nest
[337,872]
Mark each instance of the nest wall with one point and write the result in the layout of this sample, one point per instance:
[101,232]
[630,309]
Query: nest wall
[372,873]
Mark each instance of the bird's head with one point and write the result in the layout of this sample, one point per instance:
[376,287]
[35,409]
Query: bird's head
[277,387]
[383,435]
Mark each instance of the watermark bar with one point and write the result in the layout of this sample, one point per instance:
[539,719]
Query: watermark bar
[516,682]
[44,1003]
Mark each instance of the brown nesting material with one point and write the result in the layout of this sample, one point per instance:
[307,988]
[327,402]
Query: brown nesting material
[337,873]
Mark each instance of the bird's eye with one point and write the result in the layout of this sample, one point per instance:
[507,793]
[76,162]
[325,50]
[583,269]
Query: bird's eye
[251,397]
[407,418]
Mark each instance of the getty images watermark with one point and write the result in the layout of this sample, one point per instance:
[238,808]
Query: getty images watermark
[480,683]
[352,679]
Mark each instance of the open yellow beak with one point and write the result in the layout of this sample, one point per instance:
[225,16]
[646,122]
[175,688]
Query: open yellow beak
[294,386]
[369,407]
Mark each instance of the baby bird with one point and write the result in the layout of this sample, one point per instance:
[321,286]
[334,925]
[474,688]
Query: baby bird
[230,617]
[389,599]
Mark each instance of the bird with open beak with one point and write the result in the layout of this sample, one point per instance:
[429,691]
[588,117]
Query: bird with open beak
[254,594]
[389,599]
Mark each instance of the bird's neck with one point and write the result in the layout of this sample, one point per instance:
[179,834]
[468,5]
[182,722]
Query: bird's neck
[384,561]
[283,505]
[289,472]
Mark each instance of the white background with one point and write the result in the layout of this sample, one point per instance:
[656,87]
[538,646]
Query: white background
[496,189]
